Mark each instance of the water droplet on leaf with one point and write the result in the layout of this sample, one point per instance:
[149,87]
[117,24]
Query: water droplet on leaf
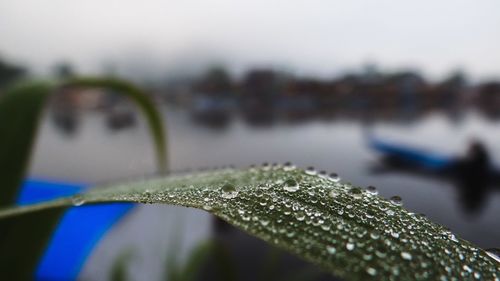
[406,255]
[372,271]
[311,171]
[288,166]
[355,192]
[494,253]
[77,200]
[334,177]
[291,185]
[396,200]
[229,191]
[331,250]
[372,190]
[334,193]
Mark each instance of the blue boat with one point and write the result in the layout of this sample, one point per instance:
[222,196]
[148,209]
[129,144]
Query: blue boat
[473,175]
[412,156]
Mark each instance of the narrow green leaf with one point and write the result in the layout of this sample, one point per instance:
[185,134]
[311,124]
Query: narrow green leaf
[22,240]
[20,109]
[348,231]
[120,266]
[145,104]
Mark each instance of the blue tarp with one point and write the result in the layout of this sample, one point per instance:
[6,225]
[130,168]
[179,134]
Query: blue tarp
[79,230]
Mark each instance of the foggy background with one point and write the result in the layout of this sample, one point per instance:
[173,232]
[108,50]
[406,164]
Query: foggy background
[164,38]
[317,83]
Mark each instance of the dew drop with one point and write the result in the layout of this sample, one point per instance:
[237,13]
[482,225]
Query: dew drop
[370,214]
[350,246]
[264,222]
[334,193]
[288,166]
[374,234]
[291,185]
[395,234]
[266,166]
[264,186]
[311,171]
[331,250]
[367,257]
[494,253]
[77,200]
[396,200]
[453,238]
[229,191]
[300,215]
[355,192]
[406,256]
[372,271]
[372,190]
[389,212]
[334,177]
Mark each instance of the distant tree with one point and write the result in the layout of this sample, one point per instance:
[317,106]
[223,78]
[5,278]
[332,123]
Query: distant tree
[9,73]
[457,79]
[64,70]
[216,80]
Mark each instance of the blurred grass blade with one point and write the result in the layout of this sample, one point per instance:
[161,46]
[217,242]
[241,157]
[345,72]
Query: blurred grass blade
[119,270]
[20,110]
[348,231]
[145,104]
[196,260]
[22,241]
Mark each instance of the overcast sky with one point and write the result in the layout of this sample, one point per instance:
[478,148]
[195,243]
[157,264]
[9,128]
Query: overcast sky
[309,36]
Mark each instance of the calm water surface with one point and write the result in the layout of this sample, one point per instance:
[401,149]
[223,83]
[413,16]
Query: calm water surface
[94,154]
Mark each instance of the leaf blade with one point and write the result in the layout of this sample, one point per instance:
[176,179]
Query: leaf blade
[345,230]
[144,103]
[20,110]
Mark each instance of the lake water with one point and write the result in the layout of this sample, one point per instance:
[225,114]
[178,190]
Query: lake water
[94,154]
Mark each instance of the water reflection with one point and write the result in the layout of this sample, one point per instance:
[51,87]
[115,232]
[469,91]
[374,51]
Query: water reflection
[70,103]
[120,117]
[332,142]
[66,121]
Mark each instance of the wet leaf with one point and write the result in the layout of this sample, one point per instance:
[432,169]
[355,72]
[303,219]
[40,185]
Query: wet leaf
[351,232]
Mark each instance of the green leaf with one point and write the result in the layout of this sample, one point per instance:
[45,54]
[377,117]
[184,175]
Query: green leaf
[143,101]
[23,241]
[120,266]
[20,109]
[348,231]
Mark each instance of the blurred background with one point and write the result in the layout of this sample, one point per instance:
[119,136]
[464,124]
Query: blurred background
[400,95]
